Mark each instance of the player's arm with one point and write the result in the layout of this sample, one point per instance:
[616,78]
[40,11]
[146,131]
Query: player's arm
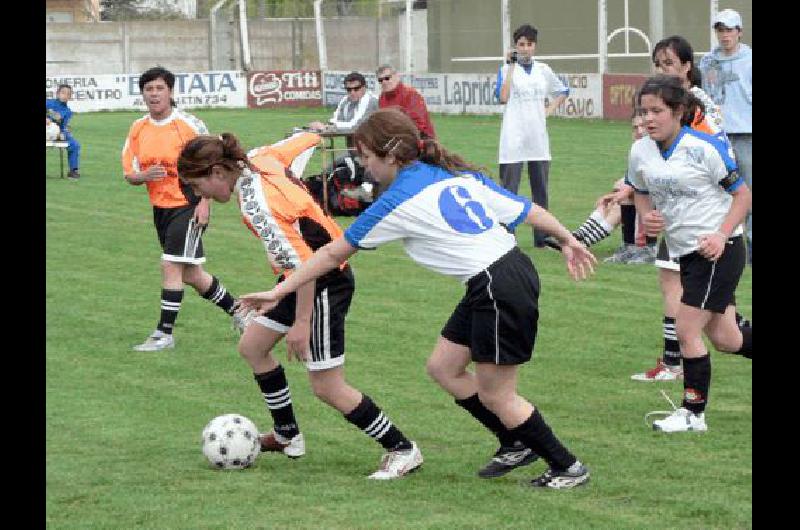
[555,104]
[325,259]
[578,258]
[505,88]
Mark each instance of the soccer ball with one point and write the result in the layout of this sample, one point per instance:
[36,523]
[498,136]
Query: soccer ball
[231,441]
[51,132]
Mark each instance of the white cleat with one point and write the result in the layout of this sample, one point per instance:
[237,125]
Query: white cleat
[682,420]
[395,464]
[158,340]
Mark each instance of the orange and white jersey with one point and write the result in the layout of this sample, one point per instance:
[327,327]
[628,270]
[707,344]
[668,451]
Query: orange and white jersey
[152,142]
[711,122]
[287,219]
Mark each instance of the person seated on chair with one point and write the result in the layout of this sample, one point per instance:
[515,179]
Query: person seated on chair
[59,112]
[351,111]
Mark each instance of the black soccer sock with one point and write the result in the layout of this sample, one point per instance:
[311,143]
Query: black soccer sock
[537,435]
[593,229]
[650,241]
[218,295]
[170,305]
[370,419]
[672,349]
[747,342]
[275,389]
[628,213]
[487,418]
[696,382]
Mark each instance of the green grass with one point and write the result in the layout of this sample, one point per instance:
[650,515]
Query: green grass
[123,427]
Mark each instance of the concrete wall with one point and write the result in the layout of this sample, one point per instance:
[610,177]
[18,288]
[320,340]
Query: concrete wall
[354,43]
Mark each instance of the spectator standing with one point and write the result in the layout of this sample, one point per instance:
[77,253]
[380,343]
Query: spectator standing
[728,79]
[394,93]
[522,85]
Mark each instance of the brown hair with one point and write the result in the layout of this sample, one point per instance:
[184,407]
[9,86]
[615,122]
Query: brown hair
[389,130]
[670,89]
[202,153]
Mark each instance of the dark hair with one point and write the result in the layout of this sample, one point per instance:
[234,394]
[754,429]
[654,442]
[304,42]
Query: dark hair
[527,31]
[63,86]
[158,72]
[683,50]
[670,89]
[355,76]
[204,152]
[389,130]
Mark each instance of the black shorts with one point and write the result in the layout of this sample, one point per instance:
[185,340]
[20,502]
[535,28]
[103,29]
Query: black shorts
[332,297]
[663,261]
[180,237]
[711,285]
[498,316]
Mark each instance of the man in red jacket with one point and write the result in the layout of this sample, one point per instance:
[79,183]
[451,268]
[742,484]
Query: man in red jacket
[395,94]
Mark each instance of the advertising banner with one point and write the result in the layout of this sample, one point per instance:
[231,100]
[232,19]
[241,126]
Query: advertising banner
[283,88]
[121,91]
[475,93]
[618,92]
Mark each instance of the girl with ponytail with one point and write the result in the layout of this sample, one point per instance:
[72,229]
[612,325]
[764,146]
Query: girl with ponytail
[454,220]
[279,211]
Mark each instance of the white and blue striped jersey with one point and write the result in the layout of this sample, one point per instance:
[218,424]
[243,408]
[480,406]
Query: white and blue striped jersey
[452,224]
[690,184]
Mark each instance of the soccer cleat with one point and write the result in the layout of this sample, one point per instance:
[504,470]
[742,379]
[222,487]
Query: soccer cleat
[622,254]
[395,464]
[240,322]
[575,475]
[641,255]
[273,442]
[552,242]
[158,340]
[661,372]
[507,459]
[682,420]
[73,174]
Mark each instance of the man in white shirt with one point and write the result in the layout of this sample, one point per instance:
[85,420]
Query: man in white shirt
[353,108]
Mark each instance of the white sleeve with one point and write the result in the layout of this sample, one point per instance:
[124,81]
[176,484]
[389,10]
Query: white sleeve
[555,85]
[634,175]
[377,225]
[510,208]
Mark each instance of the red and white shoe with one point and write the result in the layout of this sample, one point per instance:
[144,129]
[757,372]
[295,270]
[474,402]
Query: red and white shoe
[274,442]
[661,372]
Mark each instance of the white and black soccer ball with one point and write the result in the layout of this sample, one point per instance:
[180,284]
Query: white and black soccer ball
[231,441]
[52,132]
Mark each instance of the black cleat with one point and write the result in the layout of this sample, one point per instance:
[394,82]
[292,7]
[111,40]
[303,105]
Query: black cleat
[507,459]
[576,475]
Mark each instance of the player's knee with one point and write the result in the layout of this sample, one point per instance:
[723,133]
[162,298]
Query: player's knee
[726,342]
[437,370]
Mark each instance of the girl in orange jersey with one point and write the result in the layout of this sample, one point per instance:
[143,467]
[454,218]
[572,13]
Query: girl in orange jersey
[150,157]
[278,209]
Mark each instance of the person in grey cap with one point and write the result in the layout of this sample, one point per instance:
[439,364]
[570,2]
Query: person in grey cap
[728,79]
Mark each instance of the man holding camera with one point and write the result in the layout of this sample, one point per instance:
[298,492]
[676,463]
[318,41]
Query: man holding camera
[522,85]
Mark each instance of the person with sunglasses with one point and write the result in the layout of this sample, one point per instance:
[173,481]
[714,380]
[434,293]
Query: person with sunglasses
[394,93]
[351,111]
[353,108]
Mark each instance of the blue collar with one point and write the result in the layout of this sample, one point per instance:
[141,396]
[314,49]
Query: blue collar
[666,154]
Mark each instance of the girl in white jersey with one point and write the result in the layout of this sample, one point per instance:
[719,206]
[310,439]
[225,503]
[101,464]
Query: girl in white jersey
[458,222]
[674,56]
[700,202]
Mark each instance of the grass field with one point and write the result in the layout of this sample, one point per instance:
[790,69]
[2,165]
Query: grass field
[123,427]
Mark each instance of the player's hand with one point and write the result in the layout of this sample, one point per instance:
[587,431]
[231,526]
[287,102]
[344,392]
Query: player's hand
[579,260]
[202,213]
[711,246]
[298,341]
[259,302]
[316,126]
[653,223]
[154,172]
[606,200]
